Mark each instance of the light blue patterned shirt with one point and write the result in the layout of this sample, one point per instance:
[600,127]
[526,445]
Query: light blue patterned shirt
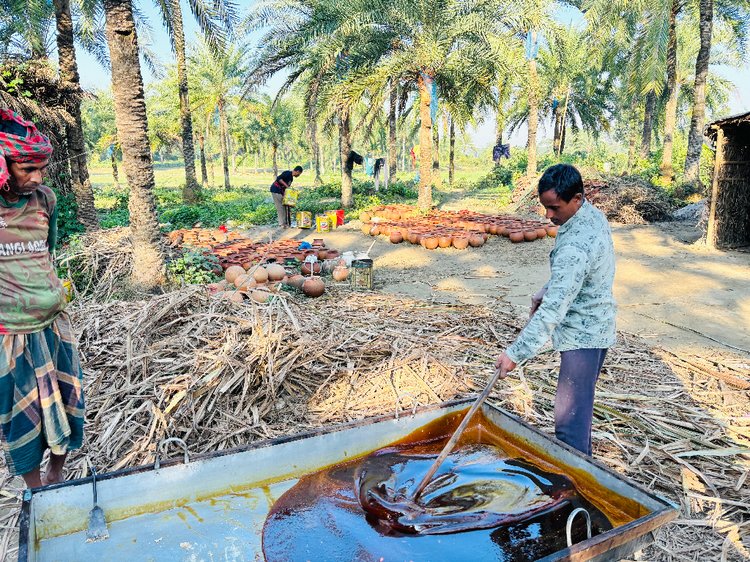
[578,309]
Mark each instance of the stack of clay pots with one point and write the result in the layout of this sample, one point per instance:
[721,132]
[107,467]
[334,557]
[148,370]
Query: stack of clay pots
[443,229]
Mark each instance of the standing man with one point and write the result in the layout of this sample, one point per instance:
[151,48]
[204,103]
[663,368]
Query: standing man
[278,187]
[576,307]
[41,396]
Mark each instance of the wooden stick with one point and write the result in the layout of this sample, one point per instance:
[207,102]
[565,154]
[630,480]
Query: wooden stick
[499,374]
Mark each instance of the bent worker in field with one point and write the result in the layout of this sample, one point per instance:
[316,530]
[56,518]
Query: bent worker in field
[278,188]
[576,307]
[41,397]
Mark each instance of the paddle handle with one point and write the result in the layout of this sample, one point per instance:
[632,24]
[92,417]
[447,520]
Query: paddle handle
[499,373]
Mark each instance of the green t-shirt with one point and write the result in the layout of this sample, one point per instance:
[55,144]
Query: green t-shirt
[31,295]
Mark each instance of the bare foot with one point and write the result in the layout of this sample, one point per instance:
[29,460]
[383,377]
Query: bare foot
[52,477]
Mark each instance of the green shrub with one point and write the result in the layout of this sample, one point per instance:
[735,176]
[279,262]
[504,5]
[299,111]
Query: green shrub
[194,267]
[67,217]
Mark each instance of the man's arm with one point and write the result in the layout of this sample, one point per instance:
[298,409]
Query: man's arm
[568,272]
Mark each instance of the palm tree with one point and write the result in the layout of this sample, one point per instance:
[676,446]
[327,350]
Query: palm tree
[218,76]
[132,131]
[272,124]
[697,121]
[214,33]
[70,80]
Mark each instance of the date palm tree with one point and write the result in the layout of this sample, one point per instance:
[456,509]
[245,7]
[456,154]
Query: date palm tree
[132,132]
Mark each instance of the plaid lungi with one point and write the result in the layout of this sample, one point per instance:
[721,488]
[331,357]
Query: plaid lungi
[41,395]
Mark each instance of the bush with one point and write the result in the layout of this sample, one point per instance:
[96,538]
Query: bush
[194,267]
[67,217]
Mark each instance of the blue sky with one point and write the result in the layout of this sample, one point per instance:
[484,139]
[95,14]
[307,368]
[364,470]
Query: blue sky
[93,76]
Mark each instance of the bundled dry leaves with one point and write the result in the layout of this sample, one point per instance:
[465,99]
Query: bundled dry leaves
[220,375]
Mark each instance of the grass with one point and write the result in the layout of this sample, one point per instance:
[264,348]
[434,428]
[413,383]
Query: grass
[249,201]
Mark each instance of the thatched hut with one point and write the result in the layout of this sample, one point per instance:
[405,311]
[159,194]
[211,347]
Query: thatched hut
[729,213]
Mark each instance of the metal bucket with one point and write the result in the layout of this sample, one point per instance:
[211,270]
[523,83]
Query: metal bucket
[361,274]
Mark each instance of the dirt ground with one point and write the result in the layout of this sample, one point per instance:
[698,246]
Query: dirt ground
[671,290]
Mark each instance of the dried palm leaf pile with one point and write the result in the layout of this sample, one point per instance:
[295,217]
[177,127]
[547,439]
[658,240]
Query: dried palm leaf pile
[626,200]
[218,375]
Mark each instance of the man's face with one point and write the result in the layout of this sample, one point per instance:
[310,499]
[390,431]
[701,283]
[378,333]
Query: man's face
[26,177]
[559,211]
[296,173]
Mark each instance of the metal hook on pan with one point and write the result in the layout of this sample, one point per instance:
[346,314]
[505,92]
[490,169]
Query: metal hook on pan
[569,524]
[163,445]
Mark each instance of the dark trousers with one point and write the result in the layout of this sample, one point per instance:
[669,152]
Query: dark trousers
[574,400]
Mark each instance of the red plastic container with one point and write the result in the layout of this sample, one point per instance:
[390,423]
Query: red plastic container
[339,217]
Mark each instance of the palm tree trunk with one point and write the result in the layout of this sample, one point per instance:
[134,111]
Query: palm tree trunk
[648,124]
[424,196]
[223,142]
[533,93]
[204,172]
[437,181]
[670,119]
[557,131]
[392,141]
[191,191]
[132,132]
[70,80]
[452,153]
[115,172]
[695,137]
[274,153]
[345,145]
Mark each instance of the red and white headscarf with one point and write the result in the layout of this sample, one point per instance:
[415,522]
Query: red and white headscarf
[32,147]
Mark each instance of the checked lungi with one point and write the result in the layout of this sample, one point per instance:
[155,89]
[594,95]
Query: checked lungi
[41,395]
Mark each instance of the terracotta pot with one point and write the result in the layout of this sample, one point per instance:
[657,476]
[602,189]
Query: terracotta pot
[460,242]
[396,238]
[322,254]
[413,236]
[333,254]
[365,216]
[529,235]
[502,230]
[313,287]
[318,242]
[493,228]
[551,230]
[541,232]
[366,226]
[430,242]
[476,240]
[445,241]
[516,236]
[375,230]
[306,268]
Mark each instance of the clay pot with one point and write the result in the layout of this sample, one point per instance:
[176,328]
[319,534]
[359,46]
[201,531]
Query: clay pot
[333,254]
[318,242]
[366,226]
[541,232]
[275,272]
[551,230]
[322,254]
[516,236]
[460,242]
[340,273]
[502,230]
[493,228]
[313,287]
[296,281]
[233,272]
[261,295]
[375,230]
[365,216]
[233,296]
[476,240]
[306,269]
[396,238]
[430,242]
[445,241]
[413,236]
[529,235]
[260,274]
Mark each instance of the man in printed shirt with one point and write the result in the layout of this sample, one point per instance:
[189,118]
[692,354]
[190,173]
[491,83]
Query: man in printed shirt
[41,399]
[576,307]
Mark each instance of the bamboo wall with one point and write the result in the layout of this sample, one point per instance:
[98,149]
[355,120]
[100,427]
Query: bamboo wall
[729,217]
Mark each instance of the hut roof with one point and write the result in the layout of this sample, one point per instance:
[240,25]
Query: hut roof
[732,120]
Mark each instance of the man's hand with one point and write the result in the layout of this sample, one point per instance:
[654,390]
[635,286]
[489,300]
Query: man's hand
[536,300]
[505,365]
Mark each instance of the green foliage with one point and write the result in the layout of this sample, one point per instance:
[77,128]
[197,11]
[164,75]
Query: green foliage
[194,267]
[67,218]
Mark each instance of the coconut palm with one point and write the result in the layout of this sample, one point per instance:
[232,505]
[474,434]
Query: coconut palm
[132,131]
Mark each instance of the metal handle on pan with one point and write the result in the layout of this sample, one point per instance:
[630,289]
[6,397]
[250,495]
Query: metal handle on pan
[569,524]
[163,445]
